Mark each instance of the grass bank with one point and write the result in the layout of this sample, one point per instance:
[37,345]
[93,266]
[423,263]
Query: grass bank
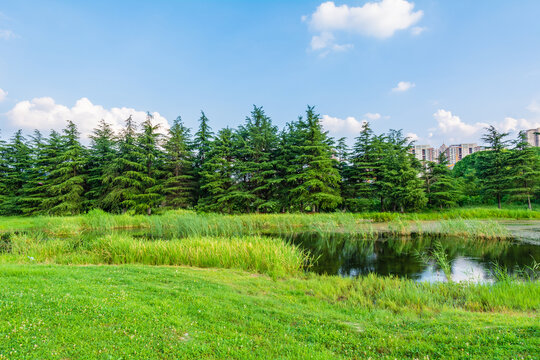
[177,224]
[251,253]
[102,312]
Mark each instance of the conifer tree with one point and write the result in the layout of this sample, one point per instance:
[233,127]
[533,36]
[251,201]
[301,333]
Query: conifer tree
[34,190]
[150,195]
[255,165]
[179,186]
[494,164]
[202,144]
[123,177]
[101,154]
[65,182]
[363,169]
[16,156]
[524,170]
[441,187]
[216,175]
[318,179]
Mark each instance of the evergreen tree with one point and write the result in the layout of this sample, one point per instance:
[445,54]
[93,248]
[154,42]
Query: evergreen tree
[494,164]
[16,156]
[524,170]
[124,175]
[255,165]
[318,179]
[34,190]
[216,175]
[202,144]
[441,187]
[150,195]
[179,186]
[66,180]
[363,170]
[102,153]
[398,181]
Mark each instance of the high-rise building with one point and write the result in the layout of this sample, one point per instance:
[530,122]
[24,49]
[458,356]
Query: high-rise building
[533,137]
[424,152]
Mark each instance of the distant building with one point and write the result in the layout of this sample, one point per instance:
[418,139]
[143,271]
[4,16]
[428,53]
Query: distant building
[454,153]
[424,153]
[533,137]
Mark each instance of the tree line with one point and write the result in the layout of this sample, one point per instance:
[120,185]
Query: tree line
[254,168]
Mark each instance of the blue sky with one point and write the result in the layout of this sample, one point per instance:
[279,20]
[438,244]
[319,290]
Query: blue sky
[461,64]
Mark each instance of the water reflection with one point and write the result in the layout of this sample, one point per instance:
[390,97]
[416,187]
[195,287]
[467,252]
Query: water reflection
[471,260]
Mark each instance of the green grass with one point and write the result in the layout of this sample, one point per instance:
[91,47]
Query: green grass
[473,223]
[251,253]
[124,312]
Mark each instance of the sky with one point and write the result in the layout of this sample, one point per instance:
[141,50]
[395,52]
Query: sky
[440,70]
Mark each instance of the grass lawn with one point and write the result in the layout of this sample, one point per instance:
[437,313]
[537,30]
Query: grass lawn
[155,312]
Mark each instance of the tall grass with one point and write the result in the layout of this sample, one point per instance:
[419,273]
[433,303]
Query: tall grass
[178,224]
[251,253]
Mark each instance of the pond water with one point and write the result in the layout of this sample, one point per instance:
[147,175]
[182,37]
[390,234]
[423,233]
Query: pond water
[470,260]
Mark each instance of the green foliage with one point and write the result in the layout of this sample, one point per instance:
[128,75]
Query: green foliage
[180,184]
[442,189]
[66,175]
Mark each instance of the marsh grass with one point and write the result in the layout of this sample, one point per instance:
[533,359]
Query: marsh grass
[251,253]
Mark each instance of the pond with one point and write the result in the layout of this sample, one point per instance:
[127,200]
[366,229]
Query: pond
[470,259]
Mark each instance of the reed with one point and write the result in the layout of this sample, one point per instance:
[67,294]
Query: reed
[251,253]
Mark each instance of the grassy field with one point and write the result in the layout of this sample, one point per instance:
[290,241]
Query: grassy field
[123,312]
[102,286]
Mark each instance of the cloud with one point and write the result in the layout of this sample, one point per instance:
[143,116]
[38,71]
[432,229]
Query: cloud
[7,34]
[45,114]
[3,95]
[450,127]
[417,30]
[373,116]
[412,136]
[374,19]
[336,126]
[327,41]
[403,86]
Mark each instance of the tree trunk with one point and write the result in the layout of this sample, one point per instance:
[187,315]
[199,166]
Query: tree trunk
[149,211]
[529,201]
[499,200]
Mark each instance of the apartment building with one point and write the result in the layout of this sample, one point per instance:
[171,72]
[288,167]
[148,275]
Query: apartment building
[424,152]
[533,137]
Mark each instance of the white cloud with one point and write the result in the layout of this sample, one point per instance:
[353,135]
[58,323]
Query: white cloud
[3,95]
[6,34]
[45,114]
[403,86]
[327,41]
[417,30]
[453,127]
[373,116]
[412,136]
[375,19]
[336,126]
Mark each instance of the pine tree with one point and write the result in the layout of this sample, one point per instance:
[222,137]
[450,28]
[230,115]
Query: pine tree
[179,186]
[65,182]
[524,170]
[16,156]
[494,164]
[363,170]
[150,194]
[216,175]
[202,144]
[399,181]
[123,177]
[255,165]
[34,189]
[441,187]
[318,179]
[102,153]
